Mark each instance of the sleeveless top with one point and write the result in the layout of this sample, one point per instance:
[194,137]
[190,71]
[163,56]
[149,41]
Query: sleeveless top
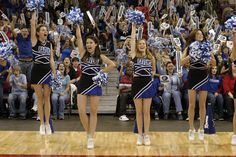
[142,67]
[90,67]
[41,52]
[199,53]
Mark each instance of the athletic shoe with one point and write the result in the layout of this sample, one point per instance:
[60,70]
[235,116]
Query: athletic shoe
[201,134]
[146,140]
[191,134]
[42,130]
[123,118]
[233,140]
[48,129]
[139,140]
[90,143]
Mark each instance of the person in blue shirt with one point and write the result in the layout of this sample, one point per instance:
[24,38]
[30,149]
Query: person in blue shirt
[18,83]
[59,96]
[214,93]
[24,44]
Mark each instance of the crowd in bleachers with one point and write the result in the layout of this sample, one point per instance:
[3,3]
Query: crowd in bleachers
[114,35]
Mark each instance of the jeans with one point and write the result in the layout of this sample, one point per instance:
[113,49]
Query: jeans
[124,97]
[166,96]
[26,68]
[2,109]
[22,100]
[58,104]
[217,103]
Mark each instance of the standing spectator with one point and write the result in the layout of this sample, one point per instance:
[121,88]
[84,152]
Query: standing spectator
[25,49]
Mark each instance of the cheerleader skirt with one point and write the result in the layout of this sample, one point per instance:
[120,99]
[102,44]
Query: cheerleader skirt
[41,74]
[198,80]
[142,87]
[86,86]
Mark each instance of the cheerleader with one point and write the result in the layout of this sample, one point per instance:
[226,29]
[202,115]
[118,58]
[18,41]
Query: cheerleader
[41,73]
[233,56]
[91,60]
[198,58]
[142,88]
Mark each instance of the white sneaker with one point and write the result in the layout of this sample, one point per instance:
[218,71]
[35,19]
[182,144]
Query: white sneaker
[139,140]
[38,118]
[146,140]
[233,140]
[48,129]
[191,134]
[201,134]
[123,118]
[90,143]
[35,107]
[42,129]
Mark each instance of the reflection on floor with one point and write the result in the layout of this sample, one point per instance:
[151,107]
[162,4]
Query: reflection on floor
[22,143]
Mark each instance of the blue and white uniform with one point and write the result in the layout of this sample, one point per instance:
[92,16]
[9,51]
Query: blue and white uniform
[89,69]
[41,72]
[198,78]
[142,86]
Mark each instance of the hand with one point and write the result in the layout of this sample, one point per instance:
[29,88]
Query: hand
[62,94]
[230,95]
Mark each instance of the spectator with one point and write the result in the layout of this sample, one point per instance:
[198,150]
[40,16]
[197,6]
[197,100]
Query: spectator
[59,96]
[18,83]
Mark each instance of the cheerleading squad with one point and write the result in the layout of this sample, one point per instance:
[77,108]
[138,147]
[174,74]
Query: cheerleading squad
[143,69]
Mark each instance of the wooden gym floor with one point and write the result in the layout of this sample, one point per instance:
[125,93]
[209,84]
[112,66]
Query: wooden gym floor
[31,143]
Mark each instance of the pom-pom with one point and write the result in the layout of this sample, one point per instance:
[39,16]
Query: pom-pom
[56,82]
[101,79]
[200,51]
[75,15]
[231,23]
[122,57]
[35,4]
[5,49]
[136,17]
[64,30]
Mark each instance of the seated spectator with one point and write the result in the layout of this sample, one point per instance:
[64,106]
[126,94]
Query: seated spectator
[18,83]
[172,89]
[75,71]
[214,95]
[156,100]
[125,93]
[228,90]
[59,96]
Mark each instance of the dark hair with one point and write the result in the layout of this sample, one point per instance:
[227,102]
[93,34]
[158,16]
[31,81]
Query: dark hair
[75,59]
[230,72]
[97,52]
[39,27]
[64,67]
[192,36]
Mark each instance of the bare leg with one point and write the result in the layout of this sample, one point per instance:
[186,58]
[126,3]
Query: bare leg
[139,114]
[191,108]
[146,114]
[94,104]
[81,103]
[202,107]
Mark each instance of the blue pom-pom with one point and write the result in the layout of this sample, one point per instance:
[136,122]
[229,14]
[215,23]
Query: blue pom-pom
[35,4]
[136,17]
[6,50]
[75,15]
[64,30]
[101,79]
[56,82]
[122,56]
[200,51]
[231,23]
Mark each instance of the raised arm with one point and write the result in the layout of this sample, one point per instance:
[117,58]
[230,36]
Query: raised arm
[33,29]
[133,41]
[110,64]
[185,57]
[13,23]
[80,42]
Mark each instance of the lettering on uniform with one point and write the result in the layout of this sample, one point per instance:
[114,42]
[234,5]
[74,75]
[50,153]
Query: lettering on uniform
[143,61]
[44,50]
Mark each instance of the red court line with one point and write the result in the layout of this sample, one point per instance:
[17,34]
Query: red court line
[22,155]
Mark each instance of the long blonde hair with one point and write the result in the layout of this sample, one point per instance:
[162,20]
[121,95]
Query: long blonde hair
[148,53]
